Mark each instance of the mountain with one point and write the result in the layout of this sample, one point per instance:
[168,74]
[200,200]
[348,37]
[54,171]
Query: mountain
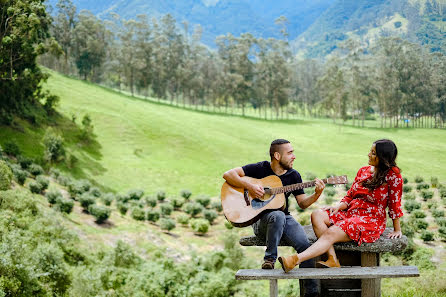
[315,27]
[218,17]
[420,21]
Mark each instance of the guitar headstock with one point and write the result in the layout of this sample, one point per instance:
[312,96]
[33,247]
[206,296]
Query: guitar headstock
[336,180]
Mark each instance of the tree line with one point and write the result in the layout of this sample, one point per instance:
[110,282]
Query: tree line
[395,81]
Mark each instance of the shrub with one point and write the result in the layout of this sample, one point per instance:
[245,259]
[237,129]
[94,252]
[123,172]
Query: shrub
[204,200]
[5,176]
[166,209]
[64,205]
[407,189]
[441,222]
[228,225]
[177,202]
[122,198]
[135,194]
[64,180]
[438,213]
[200,226]
[138,214]
[217,206]
[108,198]
[419,179]
[443,192]
[124,256]
[75,189]
[20,176]
[35,169]
[407,228]
[434,181]
[409,196]
[150,201]
[54,147]
[86,199]
[167,224]
[193,208]
[411,205]
[405,180]
[427,194]
[310,176]
[427,235]
[421,224]
[85,185]
[185,194]
[52,196]
[161,196]
[35,187]
[55,173]
[11,148]
[330,192]
[43,181]
[94,191]
[348,185]
[328,200]
[183,219]
[419,214]
[442,233]
[210,215]
[122,207]
[24,162]
[421,186]
[100,212]
[432,204]
[51,267]
[153,215]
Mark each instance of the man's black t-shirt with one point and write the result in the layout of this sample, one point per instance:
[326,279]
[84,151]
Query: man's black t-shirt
[263,169]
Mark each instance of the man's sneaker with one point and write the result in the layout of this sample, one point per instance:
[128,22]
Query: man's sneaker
[268,264]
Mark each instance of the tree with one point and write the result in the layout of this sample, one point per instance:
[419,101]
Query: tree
[63,28]
[24,29]
[90,39]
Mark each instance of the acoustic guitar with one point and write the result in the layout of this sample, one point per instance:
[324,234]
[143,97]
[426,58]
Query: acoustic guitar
[241,210]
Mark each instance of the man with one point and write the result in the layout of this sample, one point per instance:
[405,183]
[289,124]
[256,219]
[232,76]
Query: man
[276,224]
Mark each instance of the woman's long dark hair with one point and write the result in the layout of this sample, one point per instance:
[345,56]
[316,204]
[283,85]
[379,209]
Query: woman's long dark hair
[386,152]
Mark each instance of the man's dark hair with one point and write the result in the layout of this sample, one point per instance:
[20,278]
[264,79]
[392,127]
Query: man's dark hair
[275,146]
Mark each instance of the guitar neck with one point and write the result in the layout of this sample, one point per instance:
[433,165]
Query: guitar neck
[294,187]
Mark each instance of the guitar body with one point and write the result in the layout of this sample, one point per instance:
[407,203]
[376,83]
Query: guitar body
[242,210]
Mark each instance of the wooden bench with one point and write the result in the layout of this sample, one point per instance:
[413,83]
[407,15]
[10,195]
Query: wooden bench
[360,275]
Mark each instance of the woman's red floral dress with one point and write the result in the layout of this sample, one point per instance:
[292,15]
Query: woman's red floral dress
[365,218]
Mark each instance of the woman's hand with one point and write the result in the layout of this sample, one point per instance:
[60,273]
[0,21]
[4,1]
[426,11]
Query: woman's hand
[333,209]
[395,234]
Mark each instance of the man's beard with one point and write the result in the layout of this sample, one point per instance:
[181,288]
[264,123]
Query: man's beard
[286,166]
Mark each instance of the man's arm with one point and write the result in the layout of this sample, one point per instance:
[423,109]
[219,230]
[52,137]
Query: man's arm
[304,201]
[234,178]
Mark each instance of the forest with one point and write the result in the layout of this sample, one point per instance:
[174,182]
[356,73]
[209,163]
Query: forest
[394,81]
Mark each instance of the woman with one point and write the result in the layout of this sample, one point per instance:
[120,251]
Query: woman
[360,216]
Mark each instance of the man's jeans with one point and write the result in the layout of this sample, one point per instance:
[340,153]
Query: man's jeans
[273,226]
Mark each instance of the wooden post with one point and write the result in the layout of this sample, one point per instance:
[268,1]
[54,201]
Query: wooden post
[273,288]
[370,287]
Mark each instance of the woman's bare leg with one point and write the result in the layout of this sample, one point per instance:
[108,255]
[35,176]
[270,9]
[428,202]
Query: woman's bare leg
[328,238]
[321,222]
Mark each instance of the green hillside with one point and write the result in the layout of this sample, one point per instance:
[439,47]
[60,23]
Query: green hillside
[143,144]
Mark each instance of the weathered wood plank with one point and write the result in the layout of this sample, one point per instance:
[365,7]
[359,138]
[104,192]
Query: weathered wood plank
[383,244]
[331,273]
[273,288]
[370,287]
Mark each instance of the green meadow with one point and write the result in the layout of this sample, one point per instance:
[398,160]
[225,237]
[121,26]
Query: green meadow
[153,146]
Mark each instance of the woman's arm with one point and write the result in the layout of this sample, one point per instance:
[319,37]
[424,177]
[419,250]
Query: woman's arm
[396,229]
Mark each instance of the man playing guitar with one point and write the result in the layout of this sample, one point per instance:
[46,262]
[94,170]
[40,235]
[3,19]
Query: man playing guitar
[273,225]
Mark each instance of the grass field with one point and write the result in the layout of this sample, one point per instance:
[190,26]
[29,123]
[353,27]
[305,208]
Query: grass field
[152,146]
